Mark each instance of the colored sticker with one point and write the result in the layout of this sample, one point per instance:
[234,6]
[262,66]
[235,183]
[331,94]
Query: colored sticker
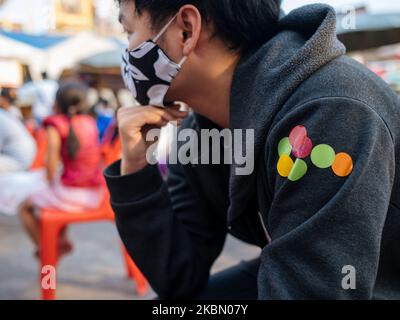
[285,165]
[300,142]
[297,135]
[304,150]
[298,171]
[323,156]
[343,165]
[284,147]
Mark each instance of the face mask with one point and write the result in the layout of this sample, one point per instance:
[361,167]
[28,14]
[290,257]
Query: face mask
[148,72]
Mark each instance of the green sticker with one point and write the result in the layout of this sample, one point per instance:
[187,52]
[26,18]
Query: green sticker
[284,147]
[299,170]
[323,156]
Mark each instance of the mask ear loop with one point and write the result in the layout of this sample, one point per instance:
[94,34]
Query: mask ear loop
[163,30]
[180,64]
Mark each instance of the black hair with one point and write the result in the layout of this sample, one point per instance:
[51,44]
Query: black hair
[8,94]
[71,99]
[243,24]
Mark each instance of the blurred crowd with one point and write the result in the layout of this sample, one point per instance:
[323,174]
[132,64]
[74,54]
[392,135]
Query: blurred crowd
[55,140]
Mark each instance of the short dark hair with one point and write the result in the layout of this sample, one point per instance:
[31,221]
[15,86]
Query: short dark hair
[242,24]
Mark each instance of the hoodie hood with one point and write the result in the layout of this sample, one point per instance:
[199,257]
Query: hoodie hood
[265,80]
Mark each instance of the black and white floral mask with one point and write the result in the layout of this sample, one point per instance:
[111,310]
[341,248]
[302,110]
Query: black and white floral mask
[148,72]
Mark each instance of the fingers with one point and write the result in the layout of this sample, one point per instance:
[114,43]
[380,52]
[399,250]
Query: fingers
[149,115]
[156,116]
[177,113]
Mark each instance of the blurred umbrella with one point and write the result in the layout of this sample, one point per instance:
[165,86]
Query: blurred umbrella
[102,70]
[110,59]
[69,53]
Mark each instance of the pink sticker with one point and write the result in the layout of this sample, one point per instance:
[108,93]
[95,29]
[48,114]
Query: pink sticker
[304,150]
[300,142]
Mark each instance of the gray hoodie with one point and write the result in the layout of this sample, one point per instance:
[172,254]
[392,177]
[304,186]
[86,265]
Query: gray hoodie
[323,206]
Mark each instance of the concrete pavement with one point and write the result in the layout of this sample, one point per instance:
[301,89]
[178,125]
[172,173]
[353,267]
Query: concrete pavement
[95,270]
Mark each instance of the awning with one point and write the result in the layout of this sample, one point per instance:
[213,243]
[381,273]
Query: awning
[53,53]
[42,42]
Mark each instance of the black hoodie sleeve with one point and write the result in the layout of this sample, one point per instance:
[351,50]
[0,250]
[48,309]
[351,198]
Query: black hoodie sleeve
[167,230]
[325,226]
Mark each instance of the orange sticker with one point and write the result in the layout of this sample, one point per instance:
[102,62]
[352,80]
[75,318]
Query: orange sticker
[285,165]
[343,165]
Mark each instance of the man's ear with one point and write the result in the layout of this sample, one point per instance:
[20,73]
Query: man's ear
[189,21]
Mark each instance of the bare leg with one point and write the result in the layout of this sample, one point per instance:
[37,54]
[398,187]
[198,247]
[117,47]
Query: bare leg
[64,244]
[32,227]
[30,222]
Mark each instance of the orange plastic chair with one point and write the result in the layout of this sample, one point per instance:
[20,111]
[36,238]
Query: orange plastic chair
[52,222]
[40,137]
[110,148]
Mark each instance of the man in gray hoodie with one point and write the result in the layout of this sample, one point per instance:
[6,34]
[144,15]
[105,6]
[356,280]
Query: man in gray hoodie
[323,201]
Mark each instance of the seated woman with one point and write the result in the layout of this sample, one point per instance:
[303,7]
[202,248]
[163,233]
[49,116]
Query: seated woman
[73,140]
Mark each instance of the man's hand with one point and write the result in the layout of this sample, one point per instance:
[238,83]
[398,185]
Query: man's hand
[134,123]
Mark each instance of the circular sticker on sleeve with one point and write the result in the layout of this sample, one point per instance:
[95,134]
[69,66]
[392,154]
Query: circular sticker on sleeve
[284,147]
[323,156]
[285,165]
[343,164]
[298,171]
[300,142]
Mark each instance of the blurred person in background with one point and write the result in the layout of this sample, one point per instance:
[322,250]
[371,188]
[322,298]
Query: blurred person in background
[73,141]
[7,102]
[111,144]
[43,94]
[17,147]
[104,115]
[17,152]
